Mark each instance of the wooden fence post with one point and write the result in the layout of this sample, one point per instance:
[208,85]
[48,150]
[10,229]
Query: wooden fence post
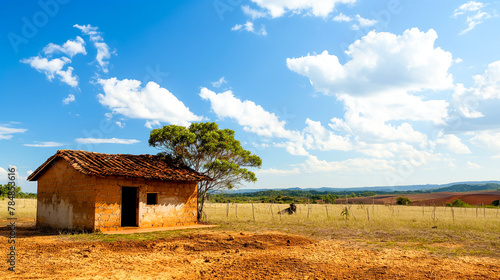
[308,208]
[272,214]
[253,213]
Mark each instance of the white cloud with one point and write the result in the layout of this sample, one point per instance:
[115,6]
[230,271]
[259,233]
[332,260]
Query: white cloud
[317,137]
[378,131]
[219,83]
[466,101]
[320,8]
[295,148]
[475,15]
[380,63]
[254,14]
[378,86]
[257,120]
[489,140]
[390,150]
[150,124]
[248,26]
[360,21]
[252,117]
[470,6]
[474,20]
[363,22]
[453,143]
[473,165]
[395,106]
[3,173]
[53,67]
[106,141]
[272,171]
[488,84]
[45,144]
[70,48]
[342,18]
[152,102]
[236,27]
[29,172]
[370,117]
[120,124]
[313,164]
[6,132]
[103,51]
[69,99]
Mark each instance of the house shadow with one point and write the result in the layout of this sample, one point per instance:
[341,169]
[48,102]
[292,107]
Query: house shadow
[25,228]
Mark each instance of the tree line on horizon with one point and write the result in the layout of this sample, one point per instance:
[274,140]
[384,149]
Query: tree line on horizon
[4,190]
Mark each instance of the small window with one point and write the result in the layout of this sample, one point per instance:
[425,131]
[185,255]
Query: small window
[152,199]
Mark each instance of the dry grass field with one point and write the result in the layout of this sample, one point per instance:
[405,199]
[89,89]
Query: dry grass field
[375,242]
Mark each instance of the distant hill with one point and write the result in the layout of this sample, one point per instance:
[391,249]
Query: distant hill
[450,187]
[467,188]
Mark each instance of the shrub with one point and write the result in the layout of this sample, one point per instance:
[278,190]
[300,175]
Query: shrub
[459,203]
[403,200]
[496,203]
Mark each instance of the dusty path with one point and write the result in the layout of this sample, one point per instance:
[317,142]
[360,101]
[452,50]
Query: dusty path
[210,254]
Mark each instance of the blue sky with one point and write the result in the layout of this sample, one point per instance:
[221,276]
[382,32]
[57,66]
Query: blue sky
[335,93]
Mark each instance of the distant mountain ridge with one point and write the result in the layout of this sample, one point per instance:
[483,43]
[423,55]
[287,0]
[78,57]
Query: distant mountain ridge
[375,188]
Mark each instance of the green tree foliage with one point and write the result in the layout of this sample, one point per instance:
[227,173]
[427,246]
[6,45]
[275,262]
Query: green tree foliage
[496,203]
[459,203]
[208,150]
[403,200]
[4,190]
[330,198]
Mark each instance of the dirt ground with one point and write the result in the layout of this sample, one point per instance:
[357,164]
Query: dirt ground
[212,254]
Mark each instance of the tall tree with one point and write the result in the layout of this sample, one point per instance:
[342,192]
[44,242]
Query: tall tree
[208,150]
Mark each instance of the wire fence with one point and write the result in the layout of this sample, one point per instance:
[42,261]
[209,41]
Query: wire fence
[361,214]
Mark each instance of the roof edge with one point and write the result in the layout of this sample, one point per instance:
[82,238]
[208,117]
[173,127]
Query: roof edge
[33,176]
[61,154]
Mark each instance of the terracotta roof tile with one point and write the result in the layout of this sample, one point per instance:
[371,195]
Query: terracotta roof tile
[135,166]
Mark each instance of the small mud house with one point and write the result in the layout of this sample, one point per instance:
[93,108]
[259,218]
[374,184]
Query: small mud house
[82,190]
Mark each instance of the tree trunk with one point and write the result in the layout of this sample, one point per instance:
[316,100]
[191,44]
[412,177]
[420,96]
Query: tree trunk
[202,195]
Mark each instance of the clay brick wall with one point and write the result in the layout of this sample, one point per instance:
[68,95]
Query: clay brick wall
[177,202]
[69,199]
[65,198]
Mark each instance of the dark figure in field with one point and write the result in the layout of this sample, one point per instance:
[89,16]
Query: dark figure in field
[290,210]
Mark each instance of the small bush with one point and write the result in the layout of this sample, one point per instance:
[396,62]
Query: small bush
[459,203]
[496,203]
[403,200]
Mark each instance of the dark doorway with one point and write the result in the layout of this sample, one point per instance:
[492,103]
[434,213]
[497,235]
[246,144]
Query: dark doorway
[129,207]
